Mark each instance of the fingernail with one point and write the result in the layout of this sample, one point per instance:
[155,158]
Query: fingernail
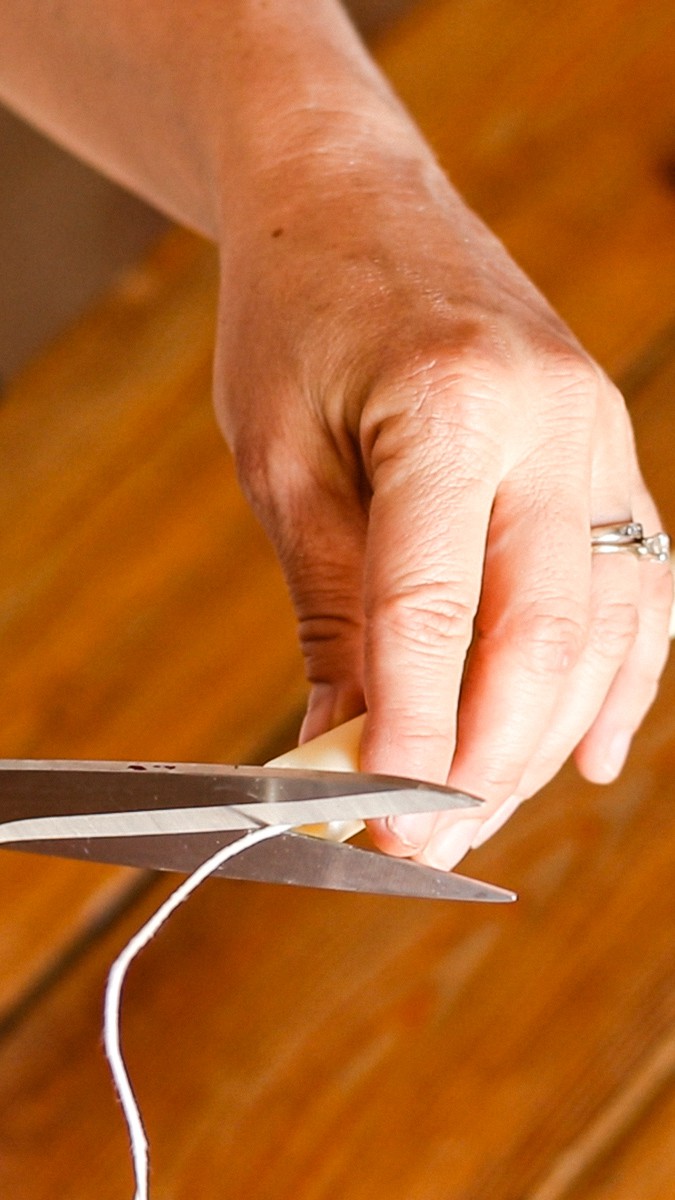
[616,754]
[448,848]
[494,823]
[411,832]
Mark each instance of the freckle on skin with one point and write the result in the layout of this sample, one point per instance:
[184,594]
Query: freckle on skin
[277,233]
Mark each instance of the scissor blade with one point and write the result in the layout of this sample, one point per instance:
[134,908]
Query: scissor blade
[346,868]
[49,800]
[175,816]
[290,858]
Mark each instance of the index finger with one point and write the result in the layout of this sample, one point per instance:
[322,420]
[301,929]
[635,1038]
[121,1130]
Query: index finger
[435,472]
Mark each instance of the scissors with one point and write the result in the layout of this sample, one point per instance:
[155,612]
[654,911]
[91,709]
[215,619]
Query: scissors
[174,816]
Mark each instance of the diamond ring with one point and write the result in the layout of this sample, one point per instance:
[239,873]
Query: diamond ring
[612,539]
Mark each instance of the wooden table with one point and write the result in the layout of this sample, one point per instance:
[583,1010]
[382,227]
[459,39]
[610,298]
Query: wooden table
[287,1044]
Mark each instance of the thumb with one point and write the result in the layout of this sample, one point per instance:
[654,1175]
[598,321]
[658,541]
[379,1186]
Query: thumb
[325,580]
[319,536]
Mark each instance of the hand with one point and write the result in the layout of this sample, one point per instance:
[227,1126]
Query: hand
[428,447]
[425,441]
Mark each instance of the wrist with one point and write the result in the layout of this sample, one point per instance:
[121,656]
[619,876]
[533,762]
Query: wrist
[308,109]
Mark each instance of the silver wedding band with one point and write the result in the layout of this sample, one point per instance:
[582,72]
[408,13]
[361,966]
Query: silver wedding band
[630,538]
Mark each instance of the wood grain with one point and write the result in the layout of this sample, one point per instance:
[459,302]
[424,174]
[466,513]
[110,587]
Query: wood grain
[135,580]
[288,1044]
[288,1047]
[130,557]
[557,122]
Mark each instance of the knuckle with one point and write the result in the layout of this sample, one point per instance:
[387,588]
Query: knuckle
[499,779]
[574,374]
[328,641]
[550,642]
[614,629]
[464,390]
[574,387]
[426,619]
[453,401]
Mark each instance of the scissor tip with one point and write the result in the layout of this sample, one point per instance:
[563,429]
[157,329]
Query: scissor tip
[476,889]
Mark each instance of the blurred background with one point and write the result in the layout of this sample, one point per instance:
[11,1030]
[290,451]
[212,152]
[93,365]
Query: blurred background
[294,1045]
[65,230]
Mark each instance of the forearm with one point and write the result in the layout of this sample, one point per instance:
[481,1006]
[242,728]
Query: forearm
[190,102]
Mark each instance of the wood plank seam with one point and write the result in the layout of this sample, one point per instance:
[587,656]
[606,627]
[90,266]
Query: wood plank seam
[613,1125]
[71,954]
